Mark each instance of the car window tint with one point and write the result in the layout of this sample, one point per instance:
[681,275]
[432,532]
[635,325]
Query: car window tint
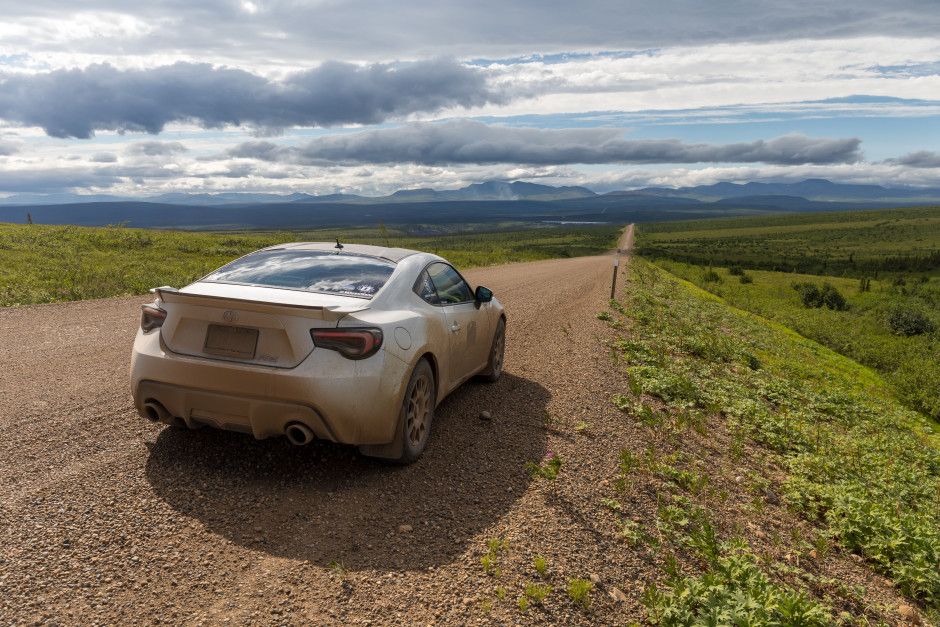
[346,274]
[425,289]
[451,288]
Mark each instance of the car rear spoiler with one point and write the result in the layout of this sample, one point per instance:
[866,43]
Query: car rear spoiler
[328,312]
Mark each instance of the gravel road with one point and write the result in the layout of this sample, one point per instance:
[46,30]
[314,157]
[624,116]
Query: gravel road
[108,519]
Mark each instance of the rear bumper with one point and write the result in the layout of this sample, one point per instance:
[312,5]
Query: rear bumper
[351,402]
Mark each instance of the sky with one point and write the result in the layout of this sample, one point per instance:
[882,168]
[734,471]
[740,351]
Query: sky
[369,97]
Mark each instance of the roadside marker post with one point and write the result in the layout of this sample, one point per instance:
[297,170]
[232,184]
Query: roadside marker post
[613,285]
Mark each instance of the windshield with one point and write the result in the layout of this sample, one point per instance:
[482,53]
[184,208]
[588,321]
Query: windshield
[346,274]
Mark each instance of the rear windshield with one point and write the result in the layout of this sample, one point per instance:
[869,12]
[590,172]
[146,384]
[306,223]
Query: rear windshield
[347,274]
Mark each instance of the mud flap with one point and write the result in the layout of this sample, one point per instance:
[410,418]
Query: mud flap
[392,450]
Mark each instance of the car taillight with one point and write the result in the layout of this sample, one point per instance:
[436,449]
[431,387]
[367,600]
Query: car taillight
[351,343]
[151,318]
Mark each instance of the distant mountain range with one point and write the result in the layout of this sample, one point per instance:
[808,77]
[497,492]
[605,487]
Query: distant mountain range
[492,202]
[819,190]
[479,191]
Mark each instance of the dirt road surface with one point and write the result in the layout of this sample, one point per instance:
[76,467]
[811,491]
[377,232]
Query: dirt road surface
[106,518]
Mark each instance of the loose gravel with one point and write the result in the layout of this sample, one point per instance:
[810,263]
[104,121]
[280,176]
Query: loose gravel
[106,518]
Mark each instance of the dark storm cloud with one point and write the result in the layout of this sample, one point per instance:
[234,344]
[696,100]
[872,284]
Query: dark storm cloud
[377,29]
[473,142]
[76,103]
[920,159]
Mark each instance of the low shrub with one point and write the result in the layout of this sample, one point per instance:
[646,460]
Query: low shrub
[833,299]
[810,295]
[908,322]
[710,276]
[815,297]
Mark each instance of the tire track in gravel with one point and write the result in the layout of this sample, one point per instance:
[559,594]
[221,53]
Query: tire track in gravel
[106,517]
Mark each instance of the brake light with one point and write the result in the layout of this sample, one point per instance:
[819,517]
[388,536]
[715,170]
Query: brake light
[351,343]
[151,318]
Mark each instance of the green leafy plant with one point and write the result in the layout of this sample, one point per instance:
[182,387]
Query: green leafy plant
[580,591]
[337,570]
[537,592]
[523,604]
[550,422]
[548,470]
[540,565]
[631,532]
[735,592]
[491,558]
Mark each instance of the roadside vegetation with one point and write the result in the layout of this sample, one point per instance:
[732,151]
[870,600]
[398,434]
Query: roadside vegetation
[864,283]
[778,468]
[890,325]
[872,244]
[42,264]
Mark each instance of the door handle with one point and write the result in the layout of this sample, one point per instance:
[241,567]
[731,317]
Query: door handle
[455,328]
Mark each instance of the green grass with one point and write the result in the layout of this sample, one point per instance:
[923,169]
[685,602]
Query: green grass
[857,465]
[910,364]
[41,264]
[853,243]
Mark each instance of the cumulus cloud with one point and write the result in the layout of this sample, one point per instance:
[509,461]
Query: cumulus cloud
[472,142]
[856,173]
[76,103]
[8,147]
[919,159]
[52,180]
[104,157]
[156,149]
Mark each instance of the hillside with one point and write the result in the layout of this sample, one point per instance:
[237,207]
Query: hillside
[856,244]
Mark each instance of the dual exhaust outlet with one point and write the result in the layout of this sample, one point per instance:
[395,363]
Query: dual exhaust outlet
[297,432]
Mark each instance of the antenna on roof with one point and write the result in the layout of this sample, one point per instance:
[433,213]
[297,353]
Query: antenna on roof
[338,245]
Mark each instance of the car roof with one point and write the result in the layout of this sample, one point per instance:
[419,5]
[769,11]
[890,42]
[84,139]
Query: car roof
[392,254]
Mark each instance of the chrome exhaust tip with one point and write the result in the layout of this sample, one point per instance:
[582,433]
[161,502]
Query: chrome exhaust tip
[155,412]
[298,433]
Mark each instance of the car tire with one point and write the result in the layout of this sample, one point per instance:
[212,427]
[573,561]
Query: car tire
[494,368]
[417,411]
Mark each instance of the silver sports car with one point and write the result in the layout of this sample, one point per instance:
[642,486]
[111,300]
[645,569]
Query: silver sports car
[347,343]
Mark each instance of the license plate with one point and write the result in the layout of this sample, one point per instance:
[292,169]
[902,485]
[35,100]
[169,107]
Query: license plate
[231,341]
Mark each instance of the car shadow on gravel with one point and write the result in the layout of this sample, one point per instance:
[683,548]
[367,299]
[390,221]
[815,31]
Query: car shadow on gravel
[325,502]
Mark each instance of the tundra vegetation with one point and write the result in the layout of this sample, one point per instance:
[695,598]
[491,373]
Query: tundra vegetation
[855,244]
[864,283]
[42,264]
[804,430]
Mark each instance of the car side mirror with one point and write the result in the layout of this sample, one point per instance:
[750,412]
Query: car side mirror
[483,295]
